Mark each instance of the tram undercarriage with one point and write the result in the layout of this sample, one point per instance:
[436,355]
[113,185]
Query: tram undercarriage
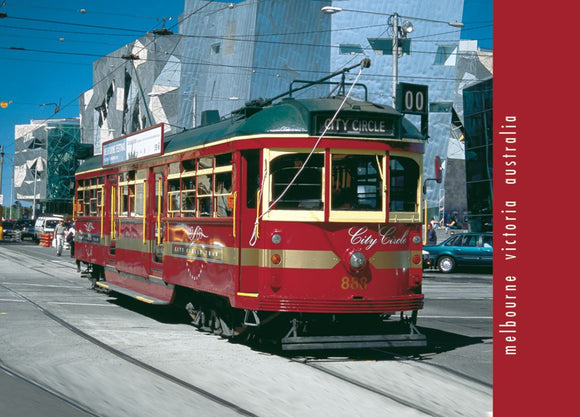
[304,331]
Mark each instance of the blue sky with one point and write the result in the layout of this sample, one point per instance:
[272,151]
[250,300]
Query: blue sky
[56,63]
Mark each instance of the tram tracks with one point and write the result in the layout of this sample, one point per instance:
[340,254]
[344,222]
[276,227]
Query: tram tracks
[178,381]
[424,401]
[52,393]
[373,386]
[130,359]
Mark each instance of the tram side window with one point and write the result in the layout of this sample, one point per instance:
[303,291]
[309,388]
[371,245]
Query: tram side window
[80,199]
[404,180]
[128,200]
[305,193]
[188,196]
[223,188]
[204,195]
[139,199]
[89,197]
[202,188]
[93,193]
[357,182]
[174,200]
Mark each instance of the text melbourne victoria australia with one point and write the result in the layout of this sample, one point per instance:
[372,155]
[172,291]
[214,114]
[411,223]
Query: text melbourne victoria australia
[508,222]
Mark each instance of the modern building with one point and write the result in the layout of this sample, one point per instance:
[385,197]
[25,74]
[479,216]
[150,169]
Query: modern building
[237,52]
[45,163]
[472,65]
[478,115]
[134,87]
[229,53]
[250,50]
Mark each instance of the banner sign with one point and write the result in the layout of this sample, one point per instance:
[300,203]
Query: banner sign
[138,145]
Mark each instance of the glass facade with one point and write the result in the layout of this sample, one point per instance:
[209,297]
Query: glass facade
[478,116]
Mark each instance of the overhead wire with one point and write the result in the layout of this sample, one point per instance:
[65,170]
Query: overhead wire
[238,38]
[104,78]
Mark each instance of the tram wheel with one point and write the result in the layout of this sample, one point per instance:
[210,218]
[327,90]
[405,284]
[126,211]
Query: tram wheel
[446,264]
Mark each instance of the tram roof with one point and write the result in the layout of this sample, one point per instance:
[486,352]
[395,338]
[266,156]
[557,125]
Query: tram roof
[288,116]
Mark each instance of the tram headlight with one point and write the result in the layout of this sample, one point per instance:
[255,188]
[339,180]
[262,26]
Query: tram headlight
[358,260]
[416,239]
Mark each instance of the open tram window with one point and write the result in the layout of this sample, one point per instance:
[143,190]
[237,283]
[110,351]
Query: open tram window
[80,198]
[357,182]
[93,201]
[174,200]
[404,183]
[188,196]
[223,188]
[204,197]
[305,192]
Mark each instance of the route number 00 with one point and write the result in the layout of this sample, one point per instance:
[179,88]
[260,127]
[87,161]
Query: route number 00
[414,101]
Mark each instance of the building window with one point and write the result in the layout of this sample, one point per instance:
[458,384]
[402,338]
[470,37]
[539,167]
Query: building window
[440,107]
[215,48]
[350,49]
[446,55]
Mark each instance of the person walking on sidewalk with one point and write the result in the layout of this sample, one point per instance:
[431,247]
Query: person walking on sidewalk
[59,232]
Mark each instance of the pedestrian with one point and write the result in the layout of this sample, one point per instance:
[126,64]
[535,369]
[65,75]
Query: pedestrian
[59,231]
[451,225]
[70,238]
[431,235]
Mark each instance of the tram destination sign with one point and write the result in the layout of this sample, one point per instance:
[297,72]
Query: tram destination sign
[355,126]
[138,145]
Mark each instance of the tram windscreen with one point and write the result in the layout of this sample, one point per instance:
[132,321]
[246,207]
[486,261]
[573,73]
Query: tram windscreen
[305,193]
[357,182]
[404,179]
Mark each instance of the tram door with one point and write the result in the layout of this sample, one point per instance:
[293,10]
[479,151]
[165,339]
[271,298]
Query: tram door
[247,206]
[113,220]
[156,227]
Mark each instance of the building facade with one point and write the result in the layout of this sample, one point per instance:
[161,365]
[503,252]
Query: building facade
[230,53]
[134,87]
[250,50]
[45,163]
[254,49]
[478,114]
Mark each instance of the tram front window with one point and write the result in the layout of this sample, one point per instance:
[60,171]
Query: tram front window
[305,193]
[357,182]
[404,174]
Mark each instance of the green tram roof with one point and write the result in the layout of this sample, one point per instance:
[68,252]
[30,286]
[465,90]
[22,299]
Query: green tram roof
[288,116]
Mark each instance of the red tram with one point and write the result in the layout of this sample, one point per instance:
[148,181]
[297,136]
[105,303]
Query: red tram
[299,219]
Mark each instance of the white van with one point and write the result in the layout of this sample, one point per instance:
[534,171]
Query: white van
[45,224]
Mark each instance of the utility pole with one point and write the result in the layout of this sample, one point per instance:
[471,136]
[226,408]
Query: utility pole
[395,57]
[1,168]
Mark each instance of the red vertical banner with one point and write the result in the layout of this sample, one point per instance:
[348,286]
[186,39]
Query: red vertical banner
[535,221]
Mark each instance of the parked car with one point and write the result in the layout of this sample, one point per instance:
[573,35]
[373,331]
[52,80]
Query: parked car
[463,249]
[26,227]
[8,229]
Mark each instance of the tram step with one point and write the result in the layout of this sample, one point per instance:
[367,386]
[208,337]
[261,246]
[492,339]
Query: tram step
[353,342]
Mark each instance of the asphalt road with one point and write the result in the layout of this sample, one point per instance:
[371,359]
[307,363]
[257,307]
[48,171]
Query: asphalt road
[116,357]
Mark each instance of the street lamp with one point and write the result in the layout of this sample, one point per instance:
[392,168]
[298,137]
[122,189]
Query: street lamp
[399,32]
